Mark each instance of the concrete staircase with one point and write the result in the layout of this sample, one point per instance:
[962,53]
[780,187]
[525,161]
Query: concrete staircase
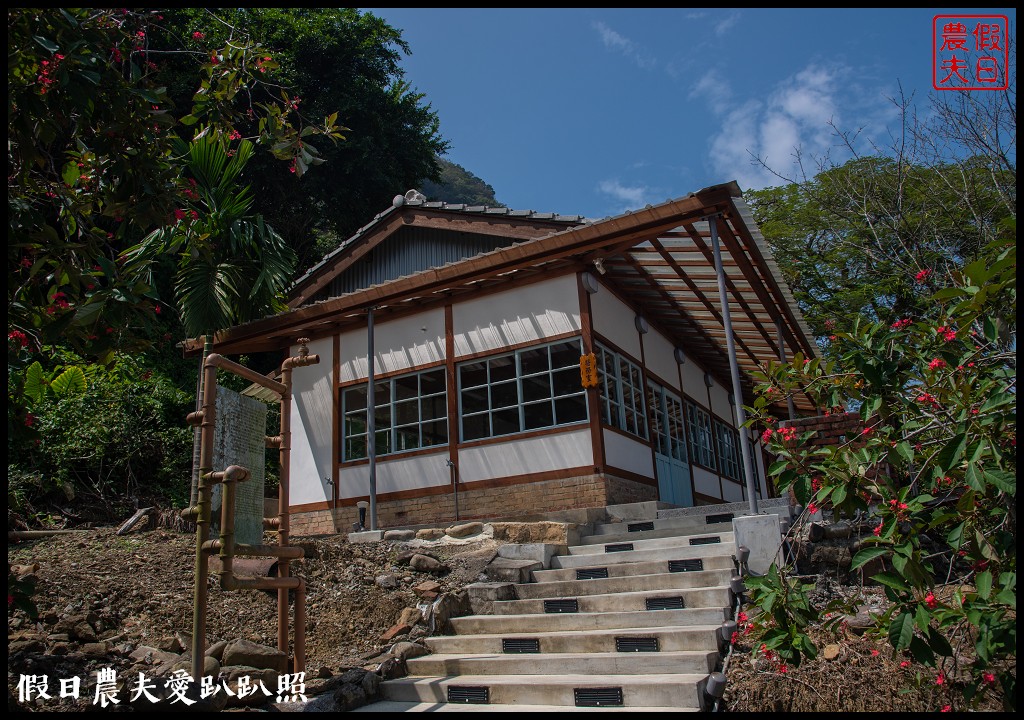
[628,620]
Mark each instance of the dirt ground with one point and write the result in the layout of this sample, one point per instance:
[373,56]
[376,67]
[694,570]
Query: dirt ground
[137,590]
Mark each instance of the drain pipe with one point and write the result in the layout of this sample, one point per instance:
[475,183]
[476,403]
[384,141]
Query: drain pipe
[734,368]
[455,485]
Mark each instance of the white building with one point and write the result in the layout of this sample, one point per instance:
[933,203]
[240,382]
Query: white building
[480,317]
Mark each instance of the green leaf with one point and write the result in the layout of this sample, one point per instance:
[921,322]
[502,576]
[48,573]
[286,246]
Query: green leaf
[777,467]
[905,451]
[70,382]
[866,555]
[922,652]
[939,643]
[46,43]
[901,630]
[922,618]
[35,384]
[983,581]
[952,452]
[839,495]
[893,581]
[1005,481]
[991,333]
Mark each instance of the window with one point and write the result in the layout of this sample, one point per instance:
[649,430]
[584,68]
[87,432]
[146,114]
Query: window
[666,413]
[728,450]
[621,391]
[411,412]
[533,388]
[702,446]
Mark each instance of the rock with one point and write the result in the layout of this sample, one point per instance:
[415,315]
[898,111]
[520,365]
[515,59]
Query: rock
[403,558]
[449,606]
[232,674]
[24,646]
[152,656]
[405,650]
[399,535]
[387,582]
[58,637]
[430,534]
[250,654]
[860,622]
[169,644]
[324,673]
[349,697]
[409,616]
[61,648]
[428,589]
[831,652]
[96,649]
[23,571]
[557,533]
[427,564]
[83,632]
[211,668]
[465,530]
[217,650]
[394,631]
[831,556]
[417,633]
[371,685]
[482,596]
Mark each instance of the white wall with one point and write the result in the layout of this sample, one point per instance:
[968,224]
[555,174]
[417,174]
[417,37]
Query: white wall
[400,344]
[623,452]
[312,426]
[706,482]
[693,382]
[615,320]
[395,474]
[557,451]
[523,314]
[733,491]
[660,358]
[720,403]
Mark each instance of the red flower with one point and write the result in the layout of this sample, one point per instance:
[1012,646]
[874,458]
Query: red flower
[198,35]
[989,678]
[878,530]
[812,508]
[948,334]
[932,603]
[734,638]
[156,309]
[867,431]
[941,679]
[833,338]
[900,324]
[179,214]
[937,364]
[18,337]
[874,653]
[783,669]
[905,664]
[30,419]
[923,275]
[766,435]
[741,617]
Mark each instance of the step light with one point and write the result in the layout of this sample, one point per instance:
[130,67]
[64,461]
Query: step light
[469,694]
[711,540]
[690,565]
[636,644]
[518,646]
[570,605]
[639,526]
[598,697]
[665,603]
[713,519]
[592,574]
[618,547]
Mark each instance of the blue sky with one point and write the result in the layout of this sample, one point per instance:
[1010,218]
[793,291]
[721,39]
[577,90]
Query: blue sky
[597,111]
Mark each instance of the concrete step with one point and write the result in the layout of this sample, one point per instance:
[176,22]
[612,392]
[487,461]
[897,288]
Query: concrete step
[669,527]
[583,622]
[779,506]
[691,540]
[554,664]
[395,706]
[676,552]
[626,583]
[621,601]
[655,690]
[653,567]
[670,638]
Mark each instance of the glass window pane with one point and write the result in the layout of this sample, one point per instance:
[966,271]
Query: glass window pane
[432,382]
[566,354]
[571,409]
[355,398]
[567,382]
[474,400]
[407,412]
[407,438]
[406,387]
[434,407]
[355,424]
[504,395]
[534,360]
[435,433]
[383,416]
[538,415]
[473,374]
[355,448]
[505,422]
[475,427]
[502,368]
[537,387]
[383,441]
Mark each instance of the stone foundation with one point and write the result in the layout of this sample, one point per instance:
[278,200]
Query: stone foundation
[506,501]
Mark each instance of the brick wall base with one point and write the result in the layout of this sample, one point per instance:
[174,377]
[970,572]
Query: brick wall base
[529,498]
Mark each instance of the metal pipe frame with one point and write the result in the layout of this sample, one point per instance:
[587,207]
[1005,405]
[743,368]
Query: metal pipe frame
[734,369]
[225,546]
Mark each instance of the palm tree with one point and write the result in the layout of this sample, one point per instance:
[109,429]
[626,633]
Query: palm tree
[231,266]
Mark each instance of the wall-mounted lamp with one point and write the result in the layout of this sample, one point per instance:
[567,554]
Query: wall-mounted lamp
[599,264]
[708,380]
[641,324]
[589,283]
[679,355]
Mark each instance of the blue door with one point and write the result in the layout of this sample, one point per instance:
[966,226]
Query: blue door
[672,464]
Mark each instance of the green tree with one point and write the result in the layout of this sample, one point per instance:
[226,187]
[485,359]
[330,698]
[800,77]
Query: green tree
[456,184]
[332,60]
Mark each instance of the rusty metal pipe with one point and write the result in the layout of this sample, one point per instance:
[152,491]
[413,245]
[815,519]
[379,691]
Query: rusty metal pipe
[203,501]
[271,523]
[272,441]
[194,418]
[227,524]
[300,628]
[251,375]
[292,552]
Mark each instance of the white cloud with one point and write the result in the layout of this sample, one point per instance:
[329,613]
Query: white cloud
[723,26]
[715,89]
[628,198]
[795,118]
[619,43]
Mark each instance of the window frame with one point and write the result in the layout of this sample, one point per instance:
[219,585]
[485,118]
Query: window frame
[722,430]
[637,404]
[695,412]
